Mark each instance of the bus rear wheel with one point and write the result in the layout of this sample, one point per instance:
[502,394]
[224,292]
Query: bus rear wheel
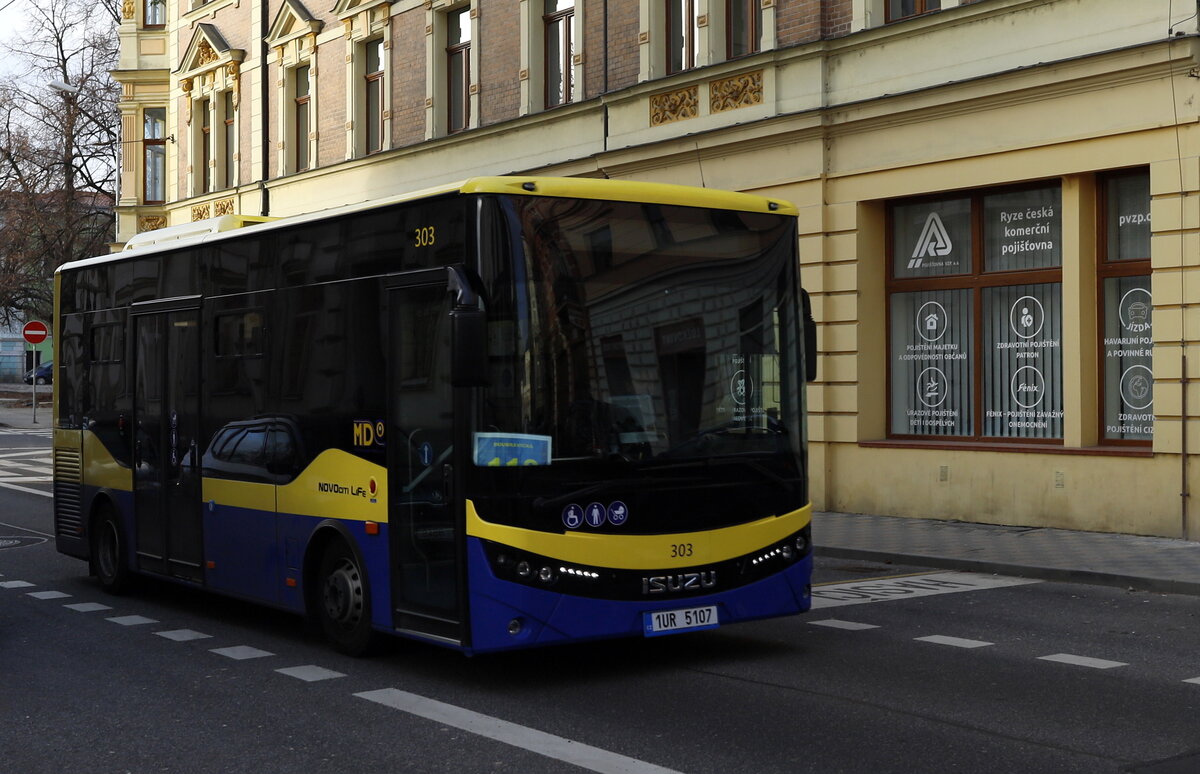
[108,555]
[343,601]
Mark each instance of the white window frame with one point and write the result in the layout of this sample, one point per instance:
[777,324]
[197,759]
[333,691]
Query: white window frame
[711,44]
[533,55]
[365,21]
[436,118]
[867,14]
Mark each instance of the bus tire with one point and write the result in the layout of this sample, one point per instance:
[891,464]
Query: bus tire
[343,601]
[108,552]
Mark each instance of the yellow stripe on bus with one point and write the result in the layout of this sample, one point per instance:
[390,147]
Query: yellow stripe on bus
[240,494]
[643,552]
[337,485]
[628,191]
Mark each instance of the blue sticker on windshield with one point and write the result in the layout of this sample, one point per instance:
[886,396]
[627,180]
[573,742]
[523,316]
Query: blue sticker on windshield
[595,515]
[501,450]
[617,513]
[572,516]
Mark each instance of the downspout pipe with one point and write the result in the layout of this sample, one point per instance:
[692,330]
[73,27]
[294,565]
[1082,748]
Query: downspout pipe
[264,83]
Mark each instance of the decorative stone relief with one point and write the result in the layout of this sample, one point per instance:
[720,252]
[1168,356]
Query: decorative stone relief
[205,54]
[151,222]
[737,92]
[201,212]
[671,106]
[223,207]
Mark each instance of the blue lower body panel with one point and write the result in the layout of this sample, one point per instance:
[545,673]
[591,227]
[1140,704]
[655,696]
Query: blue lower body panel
[547,618]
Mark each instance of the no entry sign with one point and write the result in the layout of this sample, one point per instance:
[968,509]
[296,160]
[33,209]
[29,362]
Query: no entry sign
[35,331]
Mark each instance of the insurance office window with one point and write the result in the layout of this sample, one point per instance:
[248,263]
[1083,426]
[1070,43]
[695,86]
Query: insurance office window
[559,19]
[743,21]
[975,315]
[681,35]
[458,69]
[902,9]
[373,93]
[154,155]
[1127,308]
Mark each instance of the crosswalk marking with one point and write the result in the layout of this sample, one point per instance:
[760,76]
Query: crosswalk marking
[26,466]
[850,626]
[954,642]
[909,587]
[1084,661]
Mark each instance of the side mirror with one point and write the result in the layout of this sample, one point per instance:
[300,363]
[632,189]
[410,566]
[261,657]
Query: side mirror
[810,339]
[468,330]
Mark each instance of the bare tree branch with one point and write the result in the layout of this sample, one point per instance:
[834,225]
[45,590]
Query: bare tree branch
[58,149]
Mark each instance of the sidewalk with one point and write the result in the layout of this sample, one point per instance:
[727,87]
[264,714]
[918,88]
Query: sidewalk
[1130,561]
[21,417]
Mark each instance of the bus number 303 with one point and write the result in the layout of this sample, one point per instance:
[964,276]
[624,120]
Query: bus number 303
[424,236]
[681,549]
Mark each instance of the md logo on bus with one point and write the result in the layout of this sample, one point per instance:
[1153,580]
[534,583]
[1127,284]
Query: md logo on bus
[368,434]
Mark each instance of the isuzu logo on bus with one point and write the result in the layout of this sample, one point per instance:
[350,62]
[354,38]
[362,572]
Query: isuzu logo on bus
[684,581]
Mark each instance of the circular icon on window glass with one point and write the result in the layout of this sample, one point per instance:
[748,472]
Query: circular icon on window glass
[741,387]
[1028,387]
[1135,310]
[1137,387]
[1027,317]
[931,387]
[932,321]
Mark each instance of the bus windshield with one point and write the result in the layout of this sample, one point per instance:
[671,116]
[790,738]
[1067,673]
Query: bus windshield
[641,336]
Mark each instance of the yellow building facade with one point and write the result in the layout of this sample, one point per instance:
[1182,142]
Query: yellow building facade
[1000,199]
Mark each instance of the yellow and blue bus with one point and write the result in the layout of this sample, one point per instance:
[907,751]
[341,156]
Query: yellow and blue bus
[510,412]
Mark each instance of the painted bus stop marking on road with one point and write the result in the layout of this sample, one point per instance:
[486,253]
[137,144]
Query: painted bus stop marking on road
[909,587]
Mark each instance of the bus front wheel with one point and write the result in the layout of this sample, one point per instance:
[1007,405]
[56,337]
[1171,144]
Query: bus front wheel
[343,601]
[108,560]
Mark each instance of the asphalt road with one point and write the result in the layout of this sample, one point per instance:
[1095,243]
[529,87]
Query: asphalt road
[1035,677]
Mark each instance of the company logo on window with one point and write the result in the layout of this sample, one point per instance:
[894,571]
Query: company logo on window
[933,242]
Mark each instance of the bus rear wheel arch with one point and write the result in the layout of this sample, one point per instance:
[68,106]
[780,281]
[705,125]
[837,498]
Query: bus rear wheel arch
[339,597]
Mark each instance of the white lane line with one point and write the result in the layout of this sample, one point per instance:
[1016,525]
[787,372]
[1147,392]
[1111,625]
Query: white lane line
[549,745]
[132,620]
[850,626]
[954,642]
[241,652]
[87,607]
[892,589]
[27,529]
[1084,661]
[310,673]
[1193,680]
[183,635]
[17,585]
[47,595]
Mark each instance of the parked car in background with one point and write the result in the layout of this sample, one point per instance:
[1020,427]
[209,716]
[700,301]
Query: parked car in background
[43,374]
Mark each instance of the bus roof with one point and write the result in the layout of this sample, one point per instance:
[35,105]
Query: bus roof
[226,227]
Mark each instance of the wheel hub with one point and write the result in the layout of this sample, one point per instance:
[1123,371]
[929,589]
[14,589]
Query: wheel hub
[344,594]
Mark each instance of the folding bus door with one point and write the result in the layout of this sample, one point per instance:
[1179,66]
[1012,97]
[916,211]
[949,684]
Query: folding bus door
[166,479]
[425,516]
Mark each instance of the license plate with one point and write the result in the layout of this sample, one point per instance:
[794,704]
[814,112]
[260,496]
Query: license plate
[688,619]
